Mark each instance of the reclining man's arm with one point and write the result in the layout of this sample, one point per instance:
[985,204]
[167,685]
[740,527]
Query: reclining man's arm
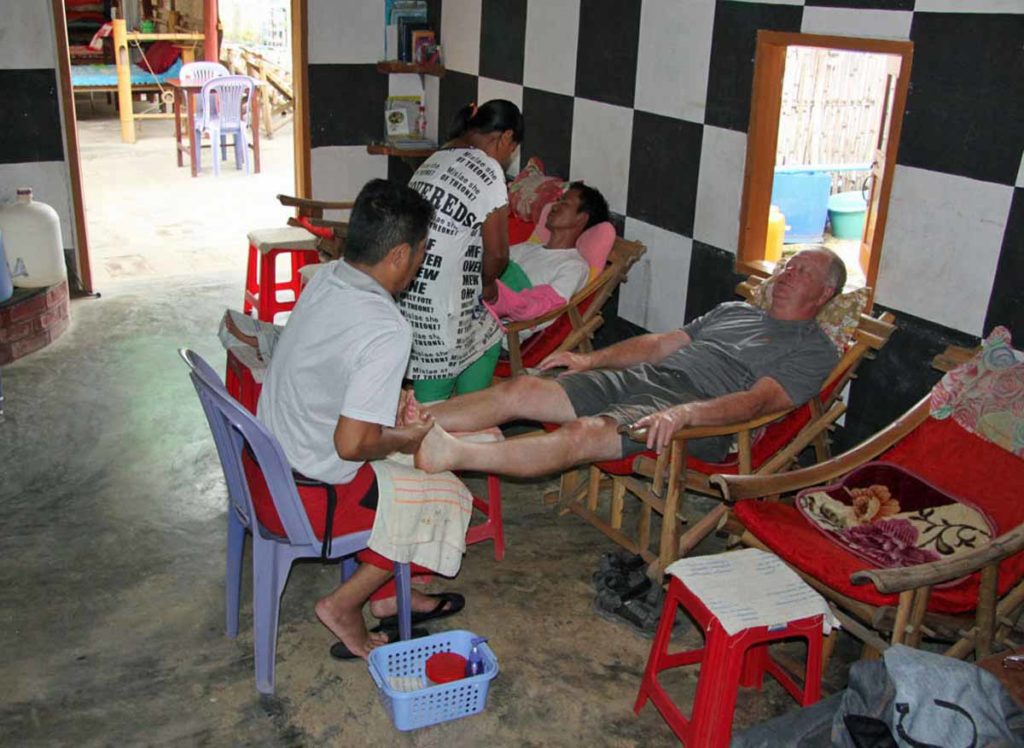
[766,396]
[643,349]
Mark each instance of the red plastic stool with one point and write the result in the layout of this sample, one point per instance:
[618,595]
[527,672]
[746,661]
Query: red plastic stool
[493,528]
[261,284]
[244,382]
[727,662]
[244,378]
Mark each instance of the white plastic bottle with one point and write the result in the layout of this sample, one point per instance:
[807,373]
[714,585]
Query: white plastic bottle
[421,122]
[32,241]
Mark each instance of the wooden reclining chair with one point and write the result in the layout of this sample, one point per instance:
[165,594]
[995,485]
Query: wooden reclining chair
[904,605]
[659,481]
[309,214]
[574,323]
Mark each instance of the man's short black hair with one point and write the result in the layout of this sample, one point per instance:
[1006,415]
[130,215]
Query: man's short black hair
[385,215]
[592,203]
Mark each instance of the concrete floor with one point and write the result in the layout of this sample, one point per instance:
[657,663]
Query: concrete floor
[111,579]
[148,218]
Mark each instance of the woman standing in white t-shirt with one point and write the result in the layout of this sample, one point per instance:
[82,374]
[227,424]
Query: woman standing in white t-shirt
[454,336]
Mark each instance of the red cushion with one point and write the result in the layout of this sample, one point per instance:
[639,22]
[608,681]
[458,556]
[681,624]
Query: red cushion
[518,229]
[942,453]
[349,515]
[161,55]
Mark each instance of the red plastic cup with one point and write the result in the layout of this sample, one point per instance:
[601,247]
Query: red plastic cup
[445,667]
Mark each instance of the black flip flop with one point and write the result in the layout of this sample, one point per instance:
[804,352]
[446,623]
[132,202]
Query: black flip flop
[620,562]
[340,652]
[448,604]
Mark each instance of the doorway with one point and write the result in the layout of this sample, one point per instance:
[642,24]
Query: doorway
[824,129]
[138,214]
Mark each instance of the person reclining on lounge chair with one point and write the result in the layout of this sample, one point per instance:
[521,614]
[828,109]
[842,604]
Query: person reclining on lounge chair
[734,363]
[540,278]
[333,395]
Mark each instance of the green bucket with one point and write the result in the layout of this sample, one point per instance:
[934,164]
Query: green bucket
[846,211]
[147,27]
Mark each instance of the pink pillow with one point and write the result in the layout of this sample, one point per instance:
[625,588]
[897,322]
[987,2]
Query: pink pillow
[594,244]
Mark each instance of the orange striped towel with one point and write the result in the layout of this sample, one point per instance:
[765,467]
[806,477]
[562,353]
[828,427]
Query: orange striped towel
[422,518]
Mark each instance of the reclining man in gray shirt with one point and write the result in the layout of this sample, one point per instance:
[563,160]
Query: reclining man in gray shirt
[735,363]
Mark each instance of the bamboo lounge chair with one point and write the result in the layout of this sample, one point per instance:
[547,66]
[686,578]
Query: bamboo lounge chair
[575,322]
[659,481]
[883,606]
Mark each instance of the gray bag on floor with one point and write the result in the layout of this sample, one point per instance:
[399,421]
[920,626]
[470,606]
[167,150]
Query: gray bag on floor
[911,699]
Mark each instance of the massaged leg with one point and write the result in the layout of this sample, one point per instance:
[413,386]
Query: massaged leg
[529,398]
[579,441]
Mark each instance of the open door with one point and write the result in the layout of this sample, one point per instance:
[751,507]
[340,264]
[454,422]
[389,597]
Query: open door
[872,187]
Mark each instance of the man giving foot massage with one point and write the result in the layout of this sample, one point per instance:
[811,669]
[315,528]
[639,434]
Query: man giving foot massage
[333,398]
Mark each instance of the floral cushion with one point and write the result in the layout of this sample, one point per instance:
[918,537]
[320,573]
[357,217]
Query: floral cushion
[986,394]
[838,318]
[531,190]
[891,517]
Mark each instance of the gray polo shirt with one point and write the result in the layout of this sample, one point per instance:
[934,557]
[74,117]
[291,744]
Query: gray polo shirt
[342,353]
[735,344]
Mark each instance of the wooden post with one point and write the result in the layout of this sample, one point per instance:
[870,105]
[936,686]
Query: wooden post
[124,80]
[211,52]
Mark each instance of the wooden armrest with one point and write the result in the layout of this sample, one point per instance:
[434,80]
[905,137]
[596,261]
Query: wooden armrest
[340,227]
[578,298]
[304,203]
[700,432]
[891,581]
[952,357]
[736,487]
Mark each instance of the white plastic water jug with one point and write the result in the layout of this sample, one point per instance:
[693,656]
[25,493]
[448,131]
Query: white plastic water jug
[32,241]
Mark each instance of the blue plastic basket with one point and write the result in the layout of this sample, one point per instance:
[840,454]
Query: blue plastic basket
[431,704]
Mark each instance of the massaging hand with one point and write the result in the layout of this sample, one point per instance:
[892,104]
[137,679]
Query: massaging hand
[409,409]
[413,433]
[571,361]
[661,426]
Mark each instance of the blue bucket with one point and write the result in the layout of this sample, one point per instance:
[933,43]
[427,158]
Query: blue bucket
[846,211]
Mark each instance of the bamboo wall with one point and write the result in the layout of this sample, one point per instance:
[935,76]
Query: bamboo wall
[831,110]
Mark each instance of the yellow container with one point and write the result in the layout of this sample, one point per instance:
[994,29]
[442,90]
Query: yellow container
[776,233]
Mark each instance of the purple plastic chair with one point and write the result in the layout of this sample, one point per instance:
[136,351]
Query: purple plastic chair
[227,102]
[201,72]
[232,427]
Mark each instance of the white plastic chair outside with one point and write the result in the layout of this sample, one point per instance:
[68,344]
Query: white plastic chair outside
[226,109]
[201,72]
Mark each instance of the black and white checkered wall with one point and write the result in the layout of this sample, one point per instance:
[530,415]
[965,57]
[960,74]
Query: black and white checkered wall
[649,100]
[31,120]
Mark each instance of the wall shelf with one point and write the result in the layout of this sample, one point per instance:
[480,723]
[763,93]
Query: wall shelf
[397,66]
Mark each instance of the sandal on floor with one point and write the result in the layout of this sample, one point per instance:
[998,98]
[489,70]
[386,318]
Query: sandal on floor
[620,561]
[625,585]
[448,604]
[340,652]
[639,614]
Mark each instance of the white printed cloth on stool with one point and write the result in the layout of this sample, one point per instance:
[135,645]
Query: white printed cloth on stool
[749,588]
[422,518]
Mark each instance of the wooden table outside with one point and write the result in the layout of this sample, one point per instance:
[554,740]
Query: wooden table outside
[188,92]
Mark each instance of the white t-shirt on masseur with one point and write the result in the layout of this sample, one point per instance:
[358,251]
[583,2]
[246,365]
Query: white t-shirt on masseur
[342,353]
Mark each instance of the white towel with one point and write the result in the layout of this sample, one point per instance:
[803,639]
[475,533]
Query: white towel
[422,518]
[748,588]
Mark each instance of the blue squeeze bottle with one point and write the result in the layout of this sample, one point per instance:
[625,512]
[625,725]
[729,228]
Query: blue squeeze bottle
[475,662]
